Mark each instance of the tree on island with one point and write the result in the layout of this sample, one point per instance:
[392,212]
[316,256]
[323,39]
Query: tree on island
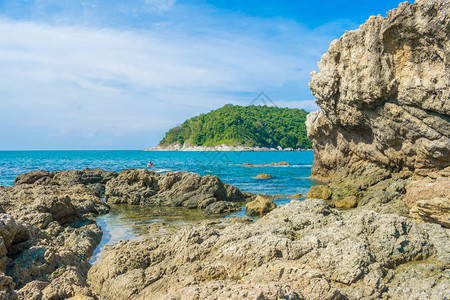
[251,126]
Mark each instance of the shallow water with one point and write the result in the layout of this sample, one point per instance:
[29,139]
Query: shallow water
[134,222]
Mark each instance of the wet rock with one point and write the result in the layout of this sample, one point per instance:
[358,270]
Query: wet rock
[428,200]
[264,176]
[296,196]
[303,249]
[319,192]
[260,206]
[141,186]
[222,207]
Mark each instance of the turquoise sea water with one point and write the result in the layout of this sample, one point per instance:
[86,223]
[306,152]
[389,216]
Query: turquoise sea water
[132,222]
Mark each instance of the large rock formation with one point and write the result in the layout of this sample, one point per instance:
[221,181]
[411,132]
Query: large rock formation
[141,186]
[303,250]
[384,91]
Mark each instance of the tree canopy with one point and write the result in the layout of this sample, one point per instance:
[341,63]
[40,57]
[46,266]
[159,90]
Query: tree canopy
[234,125]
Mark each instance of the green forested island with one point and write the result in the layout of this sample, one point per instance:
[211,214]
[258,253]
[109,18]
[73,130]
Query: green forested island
[250,126]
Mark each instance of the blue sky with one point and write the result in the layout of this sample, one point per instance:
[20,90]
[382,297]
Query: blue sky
[109,74]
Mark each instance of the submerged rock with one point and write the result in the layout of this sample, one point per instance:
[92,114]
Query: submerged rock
[296,196]
[302,250]
[141,186]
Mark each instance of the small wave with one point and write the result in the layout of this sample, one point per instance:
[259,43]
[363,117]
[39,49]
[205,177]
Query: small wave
[162,170]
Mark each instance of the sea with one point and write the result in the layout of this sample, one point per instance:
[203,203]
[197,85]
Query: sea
[133,222]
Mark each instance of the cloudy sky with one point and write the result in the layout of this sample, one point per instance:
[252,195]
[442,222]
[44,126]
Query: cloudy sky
[110,74]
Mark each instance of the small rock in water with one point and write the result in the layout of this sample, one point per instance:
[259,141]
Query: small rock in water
[296,196]
[264,176]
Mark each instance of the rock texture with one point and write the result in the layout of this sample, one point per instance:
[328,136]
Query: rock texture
[48,234]
[428,200]
[384,91]
[320,192]
[302,250]
[141,186]
[260,206]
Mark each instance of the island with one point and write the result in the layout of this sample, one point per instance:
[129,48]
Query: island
[240,128]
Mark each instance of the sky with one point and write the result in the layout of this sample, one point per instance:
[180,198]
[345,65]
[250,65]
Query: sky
[110,74]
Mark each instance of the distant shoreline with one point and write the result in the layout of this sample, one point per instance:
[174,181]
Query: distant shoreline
[220,148]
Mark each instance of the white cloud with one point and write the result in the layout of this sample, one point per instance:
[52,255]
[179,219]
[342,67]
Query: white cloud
[75,81]
[160,5]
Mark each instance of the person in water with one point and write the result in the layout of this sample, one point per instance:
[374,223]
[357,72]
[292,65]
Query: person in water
[150,164]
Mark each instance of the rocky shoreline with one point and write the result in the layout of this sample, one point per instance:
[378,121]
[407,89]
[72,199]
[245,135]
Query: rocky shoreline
[48,230]
[220,148]
[381,142]
[379,228]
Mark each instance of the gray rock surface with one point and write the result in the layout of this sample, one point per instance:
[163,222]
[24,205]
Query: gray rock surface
[384,92]
[141,186]
[302,250]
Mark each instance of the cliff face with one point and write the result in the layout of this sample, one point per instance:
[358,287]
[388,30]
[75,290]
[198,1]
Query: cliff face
[384,91]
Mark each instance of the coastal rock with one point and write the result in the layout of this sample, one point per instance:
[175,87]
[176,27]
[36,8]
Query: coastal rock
[264,176]
[260,206]
[222,207]
[94,179]
[296,196]
[302,250]
[384,92]
[141,186]
[346,203]
[47,233]
[429,200]
[319,192]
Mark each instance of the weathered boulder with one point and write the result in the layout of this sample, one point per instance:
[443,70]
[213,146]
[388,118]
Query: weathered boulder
[429,200]
[319,192]
[264,176]
[260,206]
[302,250]
[384,92]
[141,186]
